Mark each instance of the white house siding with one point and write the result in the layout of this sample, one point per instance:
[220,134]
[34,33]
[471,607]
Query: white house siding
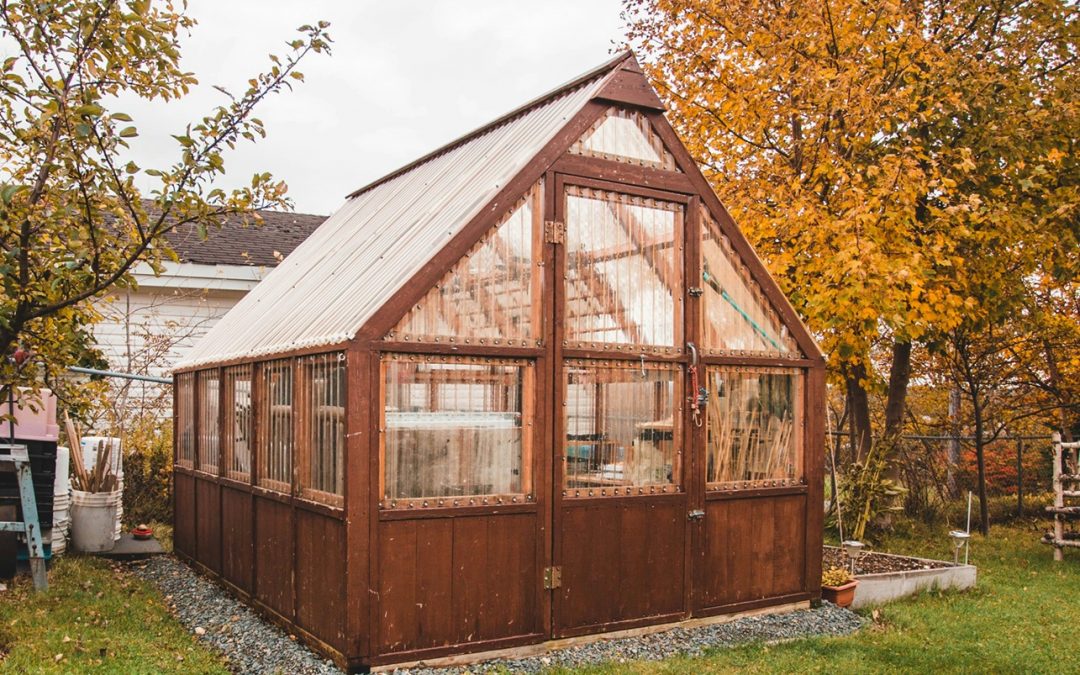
[147,329]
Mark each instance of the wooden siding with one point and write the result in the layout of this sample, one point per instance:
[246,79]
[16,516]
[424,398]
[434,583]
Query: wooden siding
[754,549]
[452,581]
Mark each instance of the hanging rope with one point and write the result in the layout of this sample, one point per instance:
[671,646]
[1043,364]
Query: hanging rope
[715,285]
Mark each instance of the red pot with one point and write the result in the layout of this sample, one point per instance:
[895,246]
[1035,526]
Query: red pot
[142,533]
[841,596]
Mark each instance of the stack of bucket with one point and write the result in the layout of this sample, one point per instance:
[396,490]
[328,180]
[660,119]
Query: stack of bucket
[90,445]
[61,501]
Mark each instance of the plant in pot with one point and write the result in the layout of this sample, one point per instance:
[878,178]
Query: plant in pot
[838,586]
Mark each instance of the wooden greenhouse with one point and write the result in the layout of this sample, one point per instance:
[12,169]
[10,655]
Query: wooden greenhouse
[534,385]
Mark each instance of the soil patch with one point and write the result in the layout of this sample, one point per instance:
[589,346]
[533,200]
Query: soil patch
[873,563]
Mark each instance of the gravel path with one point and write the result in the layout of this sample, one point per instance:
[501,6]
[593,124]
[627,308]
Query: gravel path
[252,645]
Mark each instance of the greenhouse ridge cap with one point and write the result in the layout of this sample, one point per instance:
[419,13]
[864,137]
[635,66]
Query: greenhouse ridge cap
[591,74]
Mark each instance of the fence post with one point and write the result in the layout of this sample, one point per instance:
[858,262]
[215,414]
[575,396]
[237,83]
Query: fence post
[1020,477]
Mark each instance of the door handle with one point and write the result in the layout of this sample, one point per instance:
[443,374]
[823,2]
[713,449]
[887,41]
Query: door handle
[696,514]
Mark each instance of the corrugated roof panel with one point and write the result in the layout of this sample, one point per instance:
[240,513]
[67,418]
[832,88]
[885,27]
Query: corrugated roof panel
[331,284]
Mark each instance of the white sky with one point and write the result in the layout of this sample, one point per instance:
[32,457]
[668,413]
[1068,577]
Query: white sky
[404,78]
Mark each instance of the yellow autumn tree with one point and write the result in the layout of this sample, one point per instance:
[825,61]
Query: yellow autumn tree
[873,150]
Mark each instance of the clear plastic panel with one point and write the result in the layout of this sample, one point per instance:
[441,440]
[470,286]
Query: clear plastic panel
[322,476]
[236,437]
[453,431]
[185,419]
[623,433]
[275,422]
[492,295]
[209,403]
[622,270]
[754,428]
[625,136]
[738,318]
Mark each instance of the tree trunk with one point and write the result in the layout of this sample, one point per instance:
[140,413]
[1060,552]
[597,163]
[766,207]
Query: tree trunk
[980,457]
[859,406]
[953,456]
[896,400]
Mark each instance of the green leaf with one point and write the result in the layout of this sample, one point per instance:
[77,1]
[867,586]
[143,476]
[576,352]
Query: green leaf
[8,192]
[128,132]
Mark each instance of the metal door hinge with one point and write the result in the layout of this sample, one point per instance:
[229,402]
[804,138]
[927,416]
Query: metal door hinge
[695,291]
[552,578]
[696,514]
[554,231]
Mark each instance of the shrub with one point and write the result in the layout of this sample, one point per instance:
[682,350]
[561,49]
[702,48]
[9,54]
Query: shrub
[148,471]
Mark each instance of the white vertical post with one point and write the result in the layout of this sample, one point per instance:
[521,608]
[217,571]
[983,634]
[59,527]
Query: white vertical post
[1059,499]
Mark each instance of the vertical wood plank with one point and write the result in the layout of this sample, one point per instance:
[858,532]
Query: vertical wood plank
[360,445]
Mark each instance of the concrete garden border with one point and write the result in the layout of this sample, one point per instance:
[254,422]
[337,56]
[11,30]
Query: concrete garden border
[881,587]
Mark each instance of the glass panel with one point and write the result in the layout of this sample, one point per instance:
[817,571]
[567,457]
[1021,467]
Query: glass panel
[754,427]
[185,419]
[622,433]
[275,420]
[623,270]
[737,315]
[322,475]
[236,436]
[209,406]
[492,295]
[453,430]
[625,136]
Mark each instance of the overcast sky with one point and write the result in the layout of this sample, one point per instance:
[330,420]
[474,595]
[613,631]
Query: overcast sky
[404,78]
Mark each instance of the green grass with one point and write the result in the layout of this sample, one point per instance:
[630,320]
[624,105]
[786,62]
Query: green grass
[95,618]
[1021,618]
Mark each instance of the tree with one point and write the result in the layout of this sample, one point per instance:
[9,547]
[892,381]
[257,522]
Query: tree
[73,222]
[873,151]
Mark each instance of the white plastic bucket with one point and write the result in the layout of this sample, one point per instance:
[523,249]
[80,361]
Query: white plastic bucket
[63,468]
[90,445]
[93,519]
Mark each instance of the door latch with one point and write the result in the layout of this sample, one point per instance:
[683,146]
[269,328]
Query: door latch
[696,514]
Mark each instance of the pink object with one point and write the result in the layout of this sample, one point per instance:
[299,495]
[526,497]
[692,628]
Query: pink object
[35,418]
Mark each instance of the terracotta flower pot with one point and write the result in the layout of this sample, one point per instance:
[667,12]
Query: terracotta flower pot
[841,596]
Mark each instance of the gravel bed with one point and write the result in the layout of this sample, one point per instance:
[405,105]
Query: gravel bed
[873,563]
[825,620]
[249,643]
[253,645]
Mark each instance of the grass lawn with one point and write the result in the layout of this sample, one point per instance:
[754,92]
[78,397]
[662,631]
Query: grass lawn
[95,618]
[99,618]
[1021,618]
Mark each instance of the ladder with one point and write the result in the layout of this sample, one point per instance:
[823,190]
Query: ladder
[1066,486]
[16,458]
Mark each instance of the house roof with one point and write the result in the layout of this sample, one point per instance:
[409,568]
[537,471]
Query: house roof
[240,242]
[332,283]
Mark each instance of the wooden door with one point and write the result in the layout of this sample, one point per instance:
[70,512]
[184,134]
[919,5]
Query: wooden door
[620,433]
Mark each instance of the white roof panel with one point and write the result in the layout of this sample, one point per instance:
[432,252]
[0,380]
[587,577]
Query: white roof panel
[332,283]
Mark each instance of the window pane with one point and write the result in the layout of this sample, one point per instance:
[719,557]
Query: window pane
[236,437]
[625,136]
[622,429]
[453,429]
[209,406]
[623,270]
[737,315]
[492,295]
[754,419]
[275,426]
[185,419]
[322,475]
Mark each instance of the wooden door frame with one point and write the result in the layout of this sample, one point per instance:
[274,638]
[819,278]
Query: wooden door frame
[555,187]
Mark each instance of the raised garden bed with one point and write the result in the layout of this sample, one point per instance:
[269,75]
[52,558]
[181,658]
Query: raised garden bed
[884,577]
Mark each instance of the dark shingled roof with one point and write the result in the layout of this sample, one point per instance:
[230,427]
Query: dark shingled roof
[237,243]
